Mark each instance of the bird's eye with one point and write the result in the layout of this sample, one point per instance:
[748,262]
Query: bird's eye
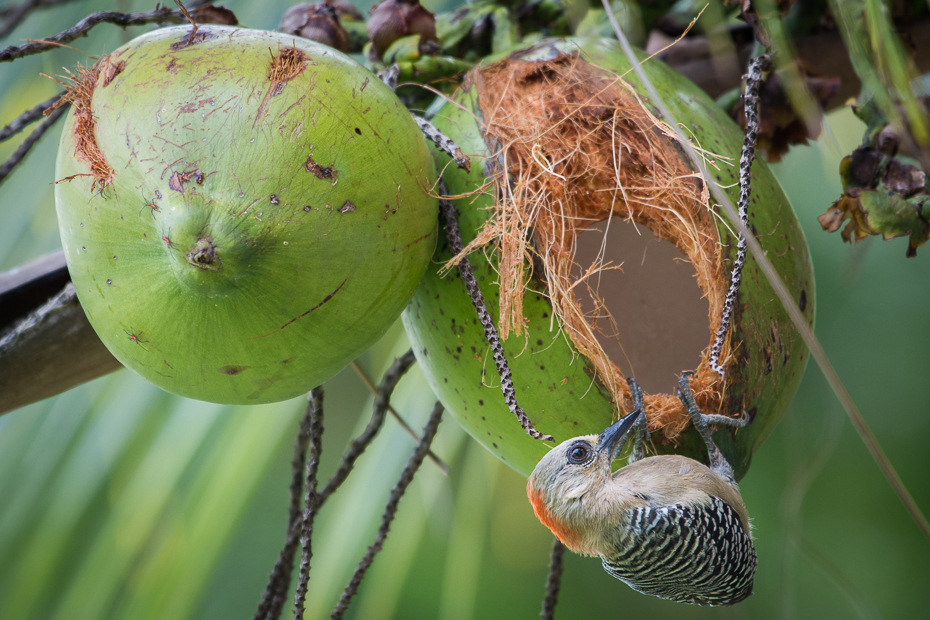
[579,454]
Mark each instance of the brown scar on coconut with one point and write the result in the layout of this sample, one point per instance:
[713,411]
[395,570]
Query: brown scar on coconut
[193,38]
[79,92]
[556,125]
[178,179]
[288,64]
[321,172]
[109,68]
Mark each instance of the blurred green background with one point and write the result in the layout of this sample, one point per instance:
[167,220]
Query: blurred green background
[120,501]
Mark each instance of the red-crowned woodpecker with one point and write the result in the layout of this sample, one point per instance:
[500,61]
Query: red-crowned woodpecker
[666,525]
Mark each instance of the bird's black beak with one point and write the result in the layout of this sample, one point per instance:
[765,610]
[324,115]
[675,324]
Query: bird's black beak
[610,439]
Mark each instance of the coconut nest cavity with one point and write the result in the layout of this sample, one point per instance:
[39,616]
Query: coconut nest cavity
[573,145]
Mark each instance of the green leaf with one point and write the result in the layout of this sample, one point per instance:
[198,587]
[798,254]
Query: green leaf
[454,26]
[892,216]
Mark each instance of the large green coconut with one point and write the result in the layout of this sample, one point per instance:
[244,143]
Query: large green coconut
[242,212]
[559,141]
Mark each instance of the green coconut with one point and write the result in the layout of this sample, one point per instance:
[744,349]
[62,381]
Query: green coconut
[242,212]
[567,136]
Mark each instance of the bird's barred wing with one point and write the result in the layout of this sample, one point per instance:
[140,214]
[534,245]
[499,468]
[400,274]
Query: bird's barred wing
[690,554]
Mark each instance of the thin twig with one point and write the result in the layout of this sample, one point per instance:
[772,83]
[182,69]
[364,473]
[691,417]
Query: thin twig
[751,101]
[310,509]
[14,15]
[22,121]
[554,581]
[29,142]
[187,16]
[391,378]
[159,15]
[390,510]
[444,142]
[281,574]
[403,423]
[454,238]
[274,596]
[781,291]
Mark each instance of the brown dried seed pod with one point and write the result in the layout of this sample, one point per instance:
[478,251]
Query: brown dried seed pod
[392,19]
[317,21]
[346,10]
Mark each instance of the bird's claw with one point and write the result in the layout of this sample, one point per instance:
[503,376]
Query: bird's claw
[703,423]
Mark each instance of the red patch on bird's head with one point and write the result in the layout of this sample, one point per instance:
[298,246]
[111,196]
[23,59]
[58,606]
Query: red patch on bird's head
[566,535]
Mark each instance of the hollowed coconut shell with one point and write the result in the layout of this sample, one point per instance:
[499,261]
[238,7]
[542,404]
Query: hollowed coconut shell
[242,212]
[562,135]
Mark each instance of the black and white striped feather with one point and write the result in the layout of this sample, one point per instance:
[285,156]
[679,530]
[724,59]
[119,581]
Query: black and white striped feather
[688,554]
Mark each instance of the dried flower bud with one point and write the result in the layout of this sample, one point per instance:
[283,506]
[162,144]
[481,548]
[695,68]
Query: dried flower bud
[390,20]
[888,140]
[345,10]
[318,22]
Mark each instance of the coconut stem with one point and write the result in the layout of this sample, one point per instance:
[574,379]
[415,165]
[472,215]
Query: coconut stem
[123,20]
[26,118]
[751,102]
[29,142]
[454,239]
[389,76]
[311,428]
[400,420]
[300,524]
[314,501]
[390,510]
[554,581]
[444,143]
[311,505]
[391,378]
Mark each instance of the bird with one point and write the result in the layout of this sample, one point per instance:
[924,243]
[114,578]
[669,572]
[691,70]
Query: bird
[667,525]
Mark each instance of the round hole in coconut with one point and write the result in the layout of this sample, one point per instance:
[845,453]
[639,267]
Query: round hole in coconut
[642,300]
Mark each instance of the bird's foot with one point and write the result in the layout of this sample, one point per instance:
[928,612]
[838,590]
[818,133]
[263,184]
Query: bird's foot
[703,423]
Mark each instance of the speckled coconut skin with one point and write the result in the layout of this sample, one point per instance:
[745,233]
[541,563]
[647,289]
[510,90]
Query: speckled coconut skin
[257,235]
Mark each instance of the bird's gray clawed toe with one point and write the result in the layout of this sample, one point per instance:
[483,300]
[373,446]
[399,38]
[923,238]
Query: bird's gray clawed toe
[703,422]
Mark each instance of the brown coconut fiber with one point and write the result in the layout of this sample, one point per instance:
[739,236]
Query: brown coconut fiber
[579,146]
